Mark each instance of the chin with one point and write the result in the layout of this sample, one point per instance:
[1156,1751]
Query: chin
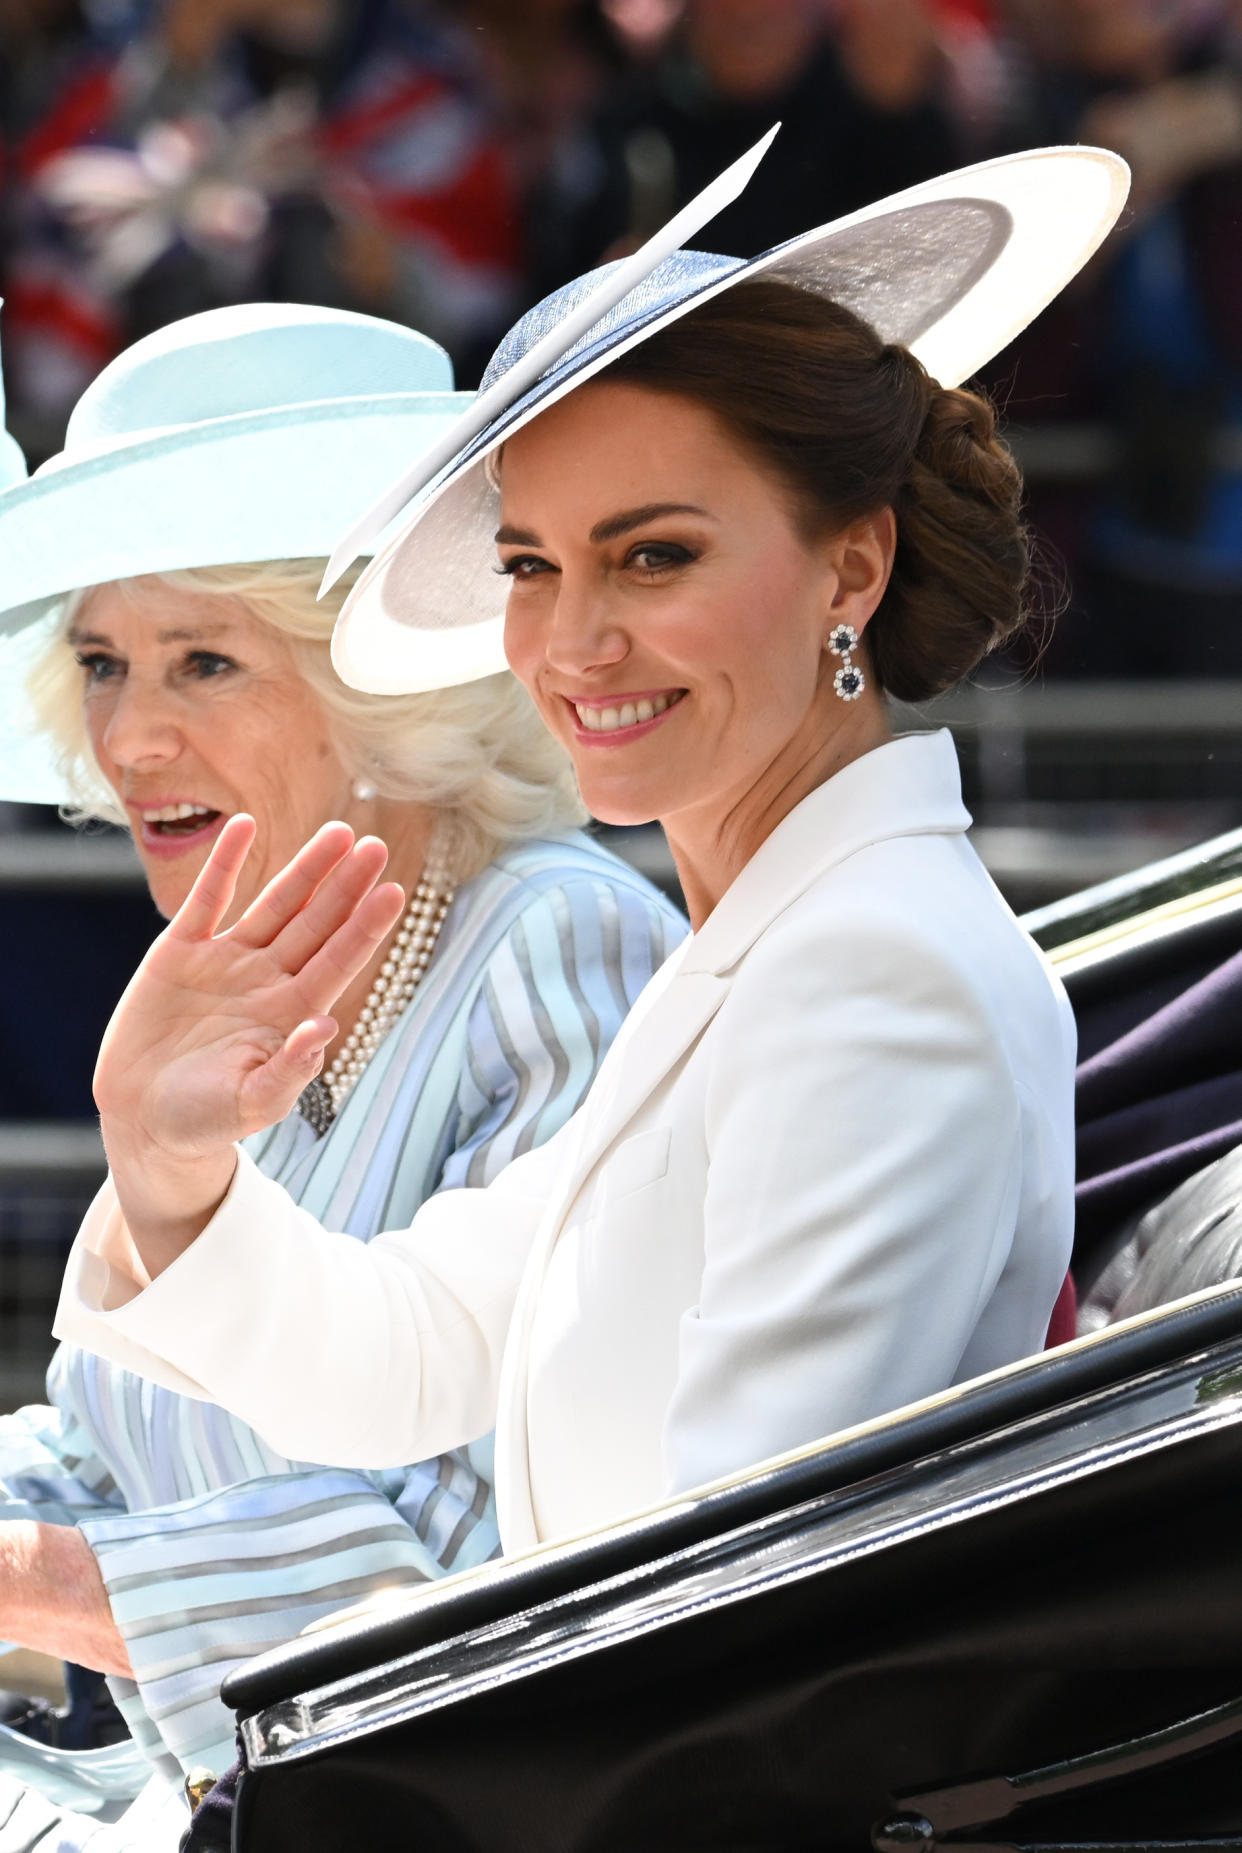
[166,905]
[610,807]
[168,890]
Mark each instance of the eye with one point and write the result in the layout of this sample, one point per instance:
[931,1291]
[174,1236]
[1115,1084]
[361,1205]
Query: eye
[206,664]
[659,556]
[96,667]
[525,566]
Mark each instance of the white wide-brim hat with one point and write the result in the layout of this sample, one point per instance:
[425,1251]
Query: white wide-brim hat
[243,434]
[952,269]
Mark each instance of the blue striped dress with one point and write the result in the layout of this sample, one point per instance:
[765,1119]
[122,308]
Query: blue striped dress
[211,1544]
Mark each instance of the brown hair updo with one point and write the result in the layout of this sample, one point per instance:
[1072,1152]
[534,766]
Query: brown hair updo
[853,426]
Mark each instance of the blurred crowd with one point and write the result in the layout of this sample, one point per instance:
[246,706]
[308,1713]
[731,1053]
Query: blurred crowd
[445,162]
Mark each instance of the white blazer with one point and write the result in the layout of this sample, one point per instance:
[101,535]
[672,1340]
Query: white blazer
[826,1169]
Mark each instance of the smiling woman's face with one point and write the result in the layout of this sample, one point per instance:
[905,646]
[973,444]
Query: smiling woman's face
[194,712]
[669,617]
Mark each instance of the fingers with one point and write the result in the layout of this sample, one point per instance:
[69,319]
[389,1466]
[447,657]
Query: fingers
[287,893]
[331,905]
[351,946]
[210,898]
[270,1091]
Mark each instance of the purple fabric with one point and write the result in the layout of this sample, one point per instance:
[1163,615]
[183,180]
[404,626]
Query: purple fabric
[1158,1101]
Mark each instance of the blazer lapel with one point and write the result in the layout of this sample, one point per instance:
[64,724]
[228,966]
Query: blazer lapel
[671,1013]
[655,1039]
[908,787]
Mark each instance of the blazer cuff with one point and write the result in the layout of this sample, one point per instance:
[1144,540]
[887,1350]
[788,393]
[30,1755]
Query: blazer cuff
[105,1311]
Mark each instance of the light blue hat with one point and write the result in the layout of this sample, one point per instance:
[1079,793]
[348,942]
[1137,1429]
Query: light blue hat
[953,269]
[243,434]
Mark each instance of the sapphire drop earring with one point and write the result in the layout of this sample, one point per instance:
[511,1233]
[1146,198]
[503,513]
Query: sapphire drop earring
[849,681]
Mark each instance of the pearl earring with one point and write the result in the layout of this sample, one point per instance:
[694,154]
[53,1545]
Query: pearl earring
[364,791]
[849,681]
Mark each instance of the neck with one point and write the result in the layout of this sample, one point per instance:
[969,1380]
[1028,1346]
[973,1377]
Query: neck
[712,843]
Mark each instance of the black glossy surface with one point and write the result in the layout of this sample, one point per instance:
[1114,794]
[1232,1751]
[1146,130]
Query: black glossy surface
[1044,1383]
[1100,1608]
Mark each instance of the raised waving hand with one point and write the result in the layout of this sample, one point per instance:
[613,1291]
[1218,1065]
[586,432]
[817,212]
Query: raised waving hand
[220,1030]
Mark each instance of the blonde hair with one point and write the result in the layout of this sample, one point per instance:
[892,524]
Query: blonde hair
[478,753]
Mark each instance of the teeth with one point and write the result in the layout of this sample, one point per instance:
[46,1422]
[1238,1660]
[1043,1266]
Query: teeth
[175,813]
[629,714]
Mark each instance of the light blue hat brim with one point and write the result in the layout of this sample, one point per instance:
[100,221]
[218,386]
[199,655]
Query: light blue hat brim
[257,486]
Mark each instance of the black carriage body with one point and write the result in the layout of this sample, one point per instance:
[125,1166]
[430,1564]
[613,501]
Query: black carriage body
[1039,1567]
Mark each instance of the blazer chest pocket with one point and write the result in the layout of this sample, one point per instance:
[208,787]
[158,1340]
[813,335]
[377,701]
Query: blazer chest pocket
[634,1163]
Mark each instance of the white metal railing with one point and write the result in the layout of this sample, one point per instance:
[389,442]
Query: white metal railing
[70,1152]
[1103,711]
[1085,453]
[58,859]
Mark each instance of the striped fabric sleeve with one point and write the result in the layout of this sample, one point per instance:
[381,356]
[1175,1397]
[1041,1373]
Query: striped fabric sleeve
[31,1822]
[198,1587]
[553,997]
[48,1470]
[201,1585]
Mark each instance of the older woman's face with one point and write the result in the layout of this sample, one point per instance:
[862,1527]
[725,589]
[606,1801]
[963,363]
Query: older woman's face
[195,712]
[665,611]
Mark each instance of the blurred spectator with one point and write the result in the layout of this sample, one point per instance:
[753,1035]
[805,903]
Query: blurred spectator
[548,68]
[1150,342]
[434,160]
[167,158]
[546,65]
[441,161]
[642,27]
[977,75]
[858,87]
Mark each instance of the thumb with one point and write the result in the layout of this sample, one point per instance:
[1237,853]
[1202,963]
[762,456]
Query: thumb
[273,1088]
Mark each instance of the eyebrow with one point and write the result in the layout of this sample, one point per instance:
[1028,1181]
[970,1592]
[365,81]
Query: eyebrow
[612,527]
[192,634]
[629,518]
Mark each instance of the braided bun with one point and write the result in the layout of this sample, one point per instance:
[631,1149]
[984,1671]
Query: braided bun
[962,560]
[853,426]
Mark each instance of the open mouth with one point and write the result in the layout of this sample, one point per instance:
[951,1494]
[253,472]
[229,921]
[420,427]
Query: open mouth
[172,826]
[179,819]
[627,715]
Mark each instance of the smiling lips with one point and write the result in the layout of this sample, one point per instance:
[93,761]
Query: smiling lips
[168,829]
[626,715]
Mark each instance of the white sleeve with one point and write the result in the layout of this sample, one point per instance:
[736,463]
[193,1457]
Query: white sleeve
[347,1353]
[864,1165]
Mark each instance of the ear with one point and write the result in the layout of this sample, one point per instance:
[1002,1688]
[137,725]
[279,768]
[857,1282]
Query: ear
[861,559]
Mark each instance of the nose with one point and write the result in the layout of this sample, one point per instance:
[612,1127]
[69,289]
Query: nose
[139,730]
[584,632]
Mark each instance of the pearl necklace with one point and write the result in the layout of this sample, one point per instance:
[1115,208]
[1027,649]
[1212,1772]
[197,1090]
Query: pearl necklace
[396,982]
